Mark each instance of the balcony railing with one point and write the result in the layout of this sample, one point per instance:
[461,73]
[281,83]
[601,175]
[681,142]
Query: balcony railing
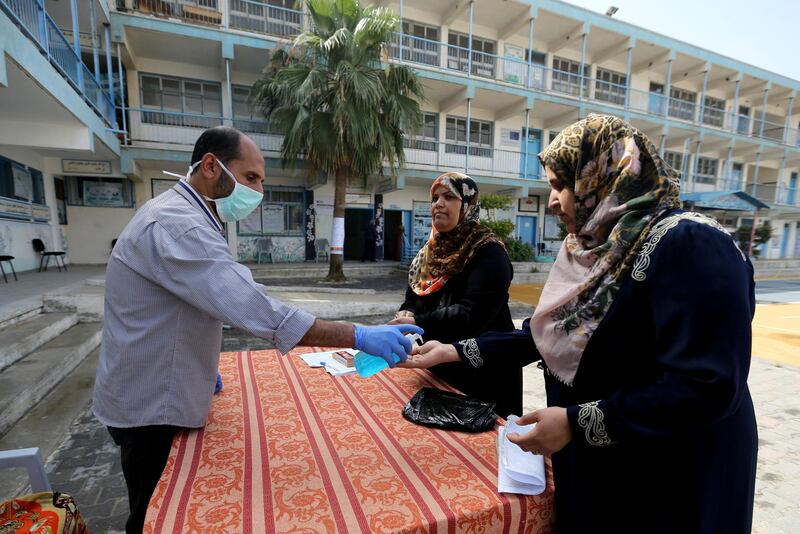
[788,196]
[40,28]
[261,17]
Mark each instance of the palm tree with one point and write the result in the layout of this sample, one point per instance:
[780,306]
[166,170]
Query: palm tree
[339,102]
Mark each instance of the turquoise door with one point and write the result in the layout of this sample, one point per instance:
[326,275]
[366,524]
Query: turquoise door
[526,230]
[531,145]
[792,188]
[785,240]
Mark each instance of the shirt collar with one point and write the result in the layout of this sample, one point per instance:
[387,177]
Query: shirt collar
[189,193]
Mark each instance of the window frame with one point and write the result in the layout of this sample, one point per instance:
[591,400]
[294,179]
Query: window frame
[568,81]
[152,114]
[703,176]
[477,148]
[612,91]
[272,194]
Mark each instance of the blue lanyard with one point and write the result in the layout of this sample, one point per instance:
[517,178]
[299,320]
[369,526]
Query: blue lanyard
[201,204]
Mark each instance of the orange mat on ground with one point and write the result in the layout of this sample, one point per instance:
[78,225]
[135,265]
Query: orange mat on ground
[288,447]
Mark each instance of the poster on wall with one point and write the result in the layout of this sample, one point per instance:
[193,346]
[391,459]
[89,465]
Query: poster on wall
[514,66]
[103,194]
[159,185]
[251,224]
[529,204]
[551,229]
[311,227]
[324,206]
[379,224]
[272,218]
[509,137]
[23,183]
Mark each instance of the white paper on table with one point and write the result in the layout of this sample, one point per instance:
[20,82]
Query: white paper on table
[518,471]
[326,360]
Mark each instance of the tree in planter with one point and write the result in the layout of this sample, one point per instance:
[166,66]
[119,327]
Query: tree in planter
[338,101]
[744,233]
[503,229]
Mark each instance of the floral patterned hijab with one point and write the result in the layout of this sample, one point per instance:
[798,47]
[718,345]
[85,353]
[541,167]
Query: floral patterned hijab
[446,254]
[622,187]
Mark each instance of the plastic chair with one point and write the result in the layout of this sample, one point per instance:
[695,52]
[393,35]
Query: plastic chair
[8,259]
[45,254]
[31,460]
[264,247]
[322,248]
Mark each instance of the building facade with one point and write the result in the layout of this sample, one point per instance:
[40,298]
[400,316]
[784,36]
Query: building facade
[88,125]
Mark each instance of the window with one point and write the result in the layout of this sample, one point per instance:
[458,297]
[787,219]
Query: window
[61,199]
[567,76]
[19,182]
[674,160]
[681,103]
[713,111]
[98,192]
[245,117]
[282,212]
[180,102]
[480,137]
[420,43]
[483,54]
[773,126]
[706,170]
[743,124]
[427,136]
[610,86]
[538,69]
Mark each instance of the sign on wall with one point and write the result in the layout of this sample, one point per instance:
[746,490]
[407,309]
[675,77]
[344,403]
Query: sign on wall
[159,185]
[81,166]
[103,194]
[529,204]
[272,218]
[509,137]
[23,183]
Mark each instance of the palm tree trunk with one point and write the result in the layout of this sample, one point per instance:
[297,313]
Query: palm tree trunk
[336,269]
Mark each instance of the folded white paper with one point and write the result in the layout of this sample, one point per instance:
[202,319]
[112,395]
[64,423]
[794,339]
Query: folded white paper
[326,360]
[518,471]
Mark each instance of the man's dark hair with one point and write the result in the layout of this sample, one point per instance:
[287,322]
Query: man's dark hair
[222,141]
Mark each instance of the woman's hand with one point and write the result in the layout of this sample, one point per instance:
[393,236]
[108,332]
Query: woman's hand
[430,354]
[403,317]
[551,433]
[402,320]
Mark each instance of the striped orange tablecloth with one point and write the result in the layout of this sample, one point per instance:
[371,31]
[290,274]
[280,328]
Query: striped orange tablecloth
[288,447]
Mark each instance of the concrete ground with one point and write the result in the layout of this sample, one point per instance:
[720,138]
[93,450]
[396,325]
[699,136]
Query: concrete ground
[86,463]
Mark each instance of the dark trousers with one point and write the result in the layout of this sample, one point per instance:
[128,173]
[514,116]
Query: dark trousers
[144,451]
[369,250]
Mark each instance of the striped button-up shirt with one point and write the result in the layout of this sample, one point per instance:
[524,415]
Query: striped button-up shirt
[170,283]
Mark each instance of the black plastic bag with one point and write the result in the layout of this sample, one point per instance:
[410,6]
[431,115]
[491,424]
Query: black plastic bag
[450,411]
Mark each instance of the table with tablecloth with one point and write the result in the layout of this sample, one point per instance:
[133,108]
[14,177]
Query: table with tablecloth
[290,447]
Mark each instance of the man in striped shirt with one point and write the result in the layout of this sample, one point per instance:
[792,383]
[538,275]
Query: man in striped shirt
[170,284]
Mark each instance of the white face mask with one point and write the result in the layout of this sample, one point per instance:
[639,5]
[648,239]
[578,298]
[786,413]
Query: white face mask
[236,206]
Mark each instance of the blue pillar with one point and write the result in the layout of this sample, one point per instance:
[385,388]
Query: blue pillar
[631,44]
[469,51]
[109,68]
[95,55]
[76,42]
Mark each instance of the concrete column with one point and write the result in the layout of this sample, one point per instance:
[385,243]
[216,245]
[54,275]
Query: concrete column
[701,108]
[76,41]
[735,125]
[729,167]
[121,91]
[109,68]
[225,9]
[628,75]
[95,54]
[469,126]
[763,111]
[530,51]
[227,114]
[400,46]
[668,87]
[583,59]
[685,162]
[755,174]
[469,47]
[788,123]
[525,140]
[661,145]
[41,15]
[696,164]
[779,181]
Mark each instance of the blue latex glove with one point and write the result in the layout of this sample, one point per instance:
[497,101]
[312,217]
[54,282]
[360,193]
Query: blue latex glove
[386,339]
[218,386]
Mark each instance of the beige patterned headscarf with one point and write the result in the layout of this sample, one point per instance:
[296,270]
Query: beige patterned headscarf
[621,188]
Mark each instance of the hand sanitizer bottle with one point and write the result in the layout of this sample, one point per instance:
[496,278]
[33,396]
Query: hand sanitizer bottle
[368,364]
